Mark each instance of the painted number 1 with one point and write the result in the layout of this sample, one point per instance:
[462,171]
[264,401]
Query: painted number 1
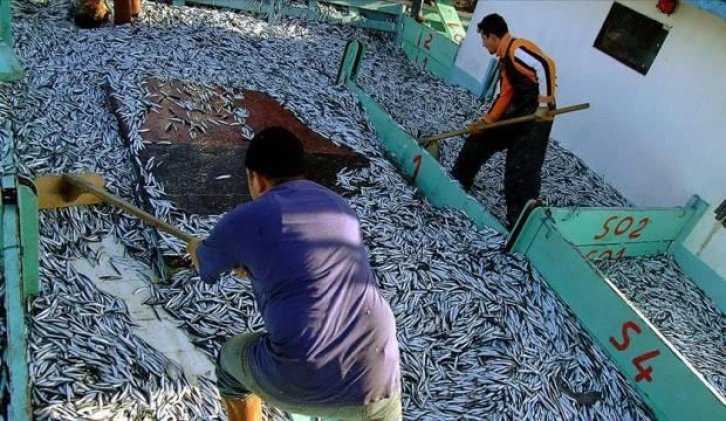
[643,372]
[606,254]
[417,162]
[427,46]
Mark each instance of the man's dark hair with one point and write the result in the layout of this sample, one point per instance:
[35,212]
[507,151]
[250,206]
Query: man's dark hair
[493,25]
[276,153]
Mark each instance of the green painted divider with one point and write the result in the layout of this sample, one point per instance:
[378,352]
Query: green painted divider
[6,30]
[710,282]
[436,45]
[15,354]
[701,274]
[378,15]
[414,162]
[613,233]
[383,7]
[246,6]
[427,48]
[661,375]
[424,61]
[10,67]
[29,236]
[618,251]
[617,232]
[351,62]
[450,20]
[15,253]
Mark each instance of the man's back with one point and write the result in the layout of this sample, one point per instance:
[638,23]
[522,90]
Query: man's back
[332,338]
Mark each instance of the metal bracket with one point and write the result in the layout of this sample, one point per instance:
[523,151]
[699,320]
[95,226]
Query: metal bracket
[350,64]
[522,220]
[10,195]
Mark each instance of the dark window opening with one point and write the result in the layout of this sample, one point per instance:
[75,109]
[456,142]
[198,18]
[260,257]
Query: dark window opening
[631,38]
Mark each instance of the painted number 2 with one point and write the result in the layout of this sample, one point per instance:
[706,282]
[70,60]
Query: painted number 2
[643,372]
[427,41]
[427,46]
[621,226]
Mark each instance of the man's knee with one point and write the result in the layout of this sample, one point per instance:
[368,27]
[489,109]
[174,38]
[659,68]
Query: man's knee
[229,387]
[233,376]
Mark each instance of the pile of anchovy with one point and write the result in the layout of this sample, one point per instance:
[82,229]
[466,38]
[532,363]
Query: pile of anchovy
[481,334]
[694,325]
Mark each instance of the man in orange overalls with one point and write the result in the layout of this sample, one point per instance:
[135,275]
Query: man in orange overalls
[527,86]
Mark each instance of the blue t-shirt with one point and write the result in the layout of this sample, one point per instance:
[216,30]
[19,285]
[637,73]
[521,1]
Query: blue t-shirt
[331,336]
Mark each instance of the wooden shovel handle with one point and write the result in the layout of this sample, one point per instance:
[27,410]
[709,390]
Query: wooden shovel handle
[109,198]
[507,122]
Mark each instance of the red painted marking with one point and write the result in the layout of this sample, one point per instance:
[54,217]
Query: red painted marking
[427,43]
[644,372]
[417,159]
[605,227]
[592,254]
[623,226]
[618,228]
[621,253]
[626,338]
[641,226]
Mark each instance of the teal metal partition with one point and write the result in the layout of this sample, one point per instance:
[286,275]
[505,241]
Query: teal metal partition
[429,49]
[450,21]
[614,233]
[700,273]
[562,245]
[10,68]
[661,375]
[377,15]
[600,233]
[19,262]
[415,163]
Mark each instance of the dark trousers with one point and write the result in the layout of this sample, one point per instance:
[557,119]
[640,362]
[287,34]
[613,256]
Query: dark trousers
[526,145]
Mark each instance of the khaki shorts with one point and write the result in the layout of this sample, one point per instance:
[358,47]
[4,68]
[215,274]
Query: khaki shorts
[235,381]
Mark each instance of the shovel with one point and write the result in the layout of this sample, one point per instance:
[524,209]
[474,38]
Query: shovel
[66,190]
[431,145]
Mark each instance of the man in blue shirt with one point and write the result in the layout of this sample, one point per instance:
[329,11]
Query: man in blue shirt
[330,348]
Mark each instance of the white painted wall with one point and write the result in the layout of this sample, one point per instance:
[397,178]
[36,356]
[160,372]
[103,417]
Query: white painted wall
[658,138]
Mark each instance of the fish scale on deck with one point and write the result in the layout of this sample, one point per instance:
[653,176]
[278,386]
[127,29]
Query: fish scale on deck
[481,334]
